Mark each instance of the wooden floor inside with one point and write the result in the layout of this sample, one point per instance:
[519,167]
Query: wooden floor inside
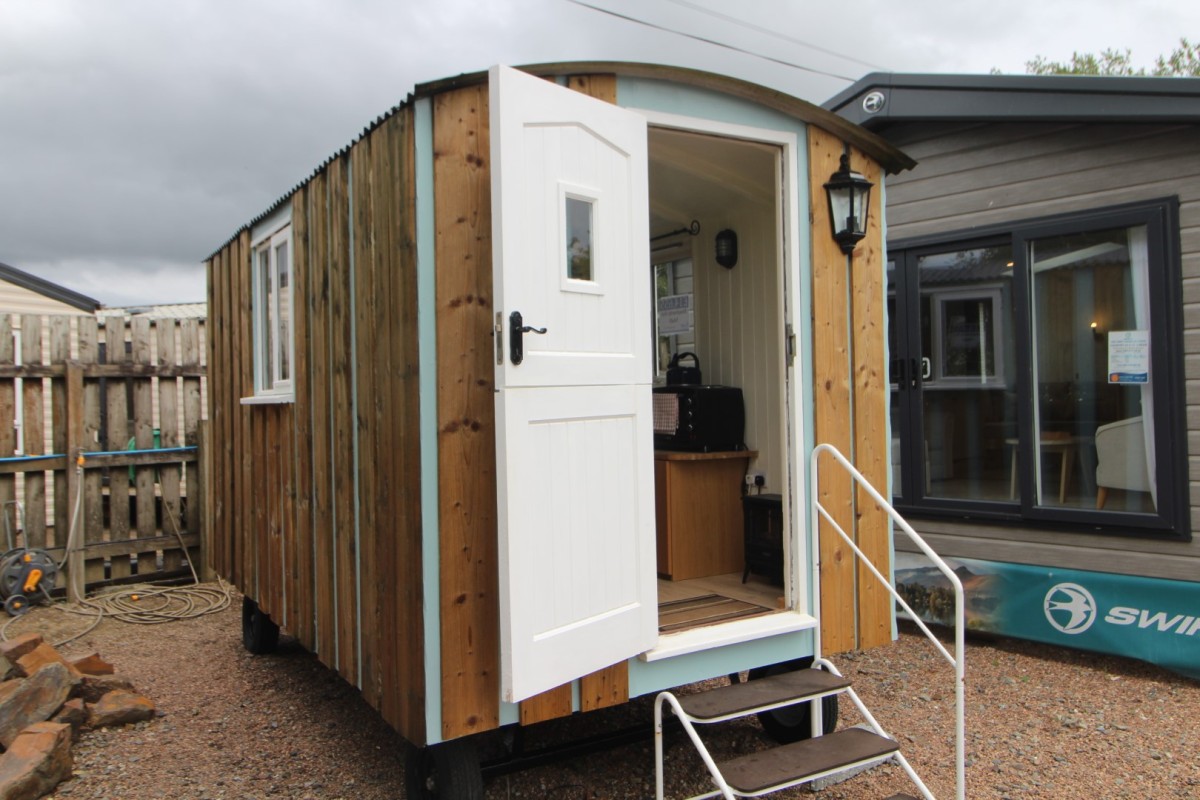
[707,601]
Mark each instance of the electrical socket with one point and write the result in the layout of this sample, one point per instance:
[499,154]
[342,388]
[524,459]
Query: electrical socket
[760,481]
[749,479]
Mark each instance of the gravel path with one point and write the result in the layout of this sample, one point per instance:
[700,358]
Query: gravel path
[1042,723]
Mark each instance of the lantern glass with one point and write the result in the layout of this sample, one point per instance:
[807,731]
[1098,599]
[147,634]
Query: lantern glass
[849,202]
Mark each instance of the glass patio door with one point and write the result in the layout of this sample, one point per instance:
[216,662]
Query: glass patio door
[954,405]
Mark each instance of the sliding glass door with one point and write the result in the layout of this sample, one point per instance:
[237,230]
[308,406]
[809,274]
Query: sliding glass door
[1033,373]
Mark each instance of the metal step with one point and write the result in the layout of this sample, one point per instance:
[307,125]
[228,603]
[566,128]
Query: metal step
[743,698]
[800,761]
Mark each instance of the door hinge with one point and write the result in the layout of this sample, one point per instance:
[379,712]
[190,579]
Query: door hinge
[498,334]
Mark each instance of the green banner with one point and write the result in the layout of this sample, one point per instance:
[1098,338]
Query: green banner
[1150,619]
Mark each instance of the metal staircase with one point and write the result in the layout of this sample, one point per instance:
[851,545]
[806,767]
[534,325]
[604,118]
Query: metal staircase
[820,756]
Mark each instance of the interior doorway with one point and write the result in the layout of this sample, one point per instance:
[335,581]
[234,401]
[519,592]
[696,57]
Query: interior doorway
[702,184]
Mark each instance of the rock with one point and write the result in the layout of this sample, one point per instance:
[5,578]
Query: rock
[39,657]
[15,648]
[34,699]
[94,687]
[73,713]
[119,707]
[38,760]
[93,664]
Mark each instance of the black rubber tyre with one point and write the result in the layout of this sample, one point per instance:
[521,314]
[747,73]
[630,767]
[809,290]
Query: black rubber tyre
[446,771]
[791,724]
[259,634]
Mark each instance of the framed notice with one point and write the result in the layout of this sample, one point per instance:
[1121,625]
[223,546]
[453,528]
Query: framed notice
[674,314]
[1129,356]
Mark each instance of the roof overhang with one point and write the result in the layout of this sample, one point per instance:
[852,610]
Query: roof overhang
[889,157]
[898,97]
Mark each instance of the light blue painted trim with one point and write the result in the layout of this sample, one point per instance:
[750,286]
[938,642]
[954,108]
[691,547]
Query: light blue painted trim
[427,349]
[646,677]
[688,101]
[510,713]
[354,415]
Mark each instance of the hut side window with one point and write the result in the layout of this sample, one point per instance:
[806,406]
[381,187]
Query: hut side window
[272,315]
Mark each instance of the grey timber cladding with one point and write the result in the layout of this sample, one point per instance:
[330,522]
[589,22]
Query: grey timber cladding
[977,174]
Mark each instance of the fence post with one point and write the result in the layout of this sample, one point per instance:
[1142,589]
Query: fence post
[207,574]
[76,586]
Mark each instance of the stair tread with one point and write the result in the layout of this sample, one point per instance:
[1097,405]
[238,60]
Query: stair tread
[792,762]
[741,697]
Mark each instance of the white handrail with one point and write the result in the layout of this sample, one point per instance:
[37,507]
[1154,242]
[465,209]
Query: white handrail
[958,659]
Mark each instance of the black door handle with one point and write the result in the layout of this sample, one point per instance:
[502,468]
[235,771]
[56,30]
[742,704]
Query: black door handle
[516,336]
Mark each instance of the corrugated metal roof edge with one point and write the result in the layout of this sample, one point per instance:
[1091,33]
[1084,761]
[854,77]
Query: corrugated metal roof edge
[47,288]
[286,196]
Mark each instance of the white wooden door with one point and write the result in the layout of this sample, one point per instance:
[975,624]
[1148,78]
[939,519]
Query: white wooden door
[573,427]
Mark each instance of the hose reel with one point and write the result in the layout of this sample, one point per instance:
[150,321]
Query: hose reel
[27,574]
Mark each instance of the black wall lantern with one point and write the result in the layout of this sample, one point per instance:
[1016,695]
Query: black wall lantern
[849,201]
[727,248]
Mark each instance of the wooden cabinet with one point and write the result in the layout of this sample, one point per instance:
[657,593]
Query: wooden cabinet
[699,512]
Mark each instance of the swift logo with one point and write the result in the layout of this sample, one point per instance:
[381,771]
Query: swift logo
[1070,608]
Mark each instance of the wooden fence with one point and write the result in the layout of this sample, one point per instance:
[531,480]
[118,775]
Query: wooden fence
[126,396]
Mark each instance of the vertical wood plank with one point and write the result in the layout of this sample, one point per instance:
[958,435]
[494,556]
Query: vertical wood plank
[243,345]
[408,653]
[118,415]
[874,603]
[34,431]
[302,585]
[143,436]
[605,688]
[214,517]
[73,434]
[326,618]
[190,359]
[466,416]
[169,436]
[92,516]
[340,306]
[601,87]
[367,408]
[60,353]
[831,398]
[550,704]
[8,438]
[386,190]
[146,478]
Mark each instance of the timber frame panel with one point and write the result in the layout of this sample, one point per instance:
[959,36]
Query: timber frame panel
[316,502]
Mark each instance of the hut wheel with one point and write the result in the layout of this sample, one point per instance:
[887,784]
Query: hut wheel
[791,724]
[259,634]
[446,771]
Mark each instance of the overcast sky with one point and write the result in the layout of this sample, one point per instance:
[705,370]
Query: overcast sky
[136,136]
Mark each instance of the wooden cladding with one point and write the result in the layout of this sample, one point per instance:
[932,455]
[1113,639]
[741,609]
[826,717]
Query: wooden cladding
[315,503]
[850,402]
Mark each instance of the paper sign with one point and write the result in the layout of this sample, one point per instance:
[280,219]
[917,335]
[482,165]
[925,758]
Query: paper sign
[674,314]
[1129,356]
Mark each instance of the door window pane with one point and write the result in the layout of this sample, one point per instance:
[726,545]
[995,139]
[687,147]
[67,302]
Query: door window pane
[967,391]
[579,239]
[1095,435]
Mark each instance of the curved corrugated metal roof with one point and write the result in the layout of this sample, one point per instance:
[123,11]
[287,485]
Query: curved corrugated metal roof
[891,158]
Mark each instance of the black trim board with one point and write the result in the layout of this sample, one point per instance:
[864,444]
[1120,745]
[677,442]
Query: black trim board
[1006,98]
[45,288]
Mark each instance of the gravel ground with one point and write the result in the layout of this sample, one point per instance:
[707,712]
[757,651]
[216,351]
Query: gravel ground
[1042,723]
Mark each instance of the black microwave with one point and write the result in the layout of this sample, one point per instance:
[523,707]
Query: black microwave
[701,419]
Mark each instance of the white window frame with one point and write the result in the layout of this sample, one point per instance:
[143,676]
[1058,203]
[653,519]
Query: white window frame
[272,388]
